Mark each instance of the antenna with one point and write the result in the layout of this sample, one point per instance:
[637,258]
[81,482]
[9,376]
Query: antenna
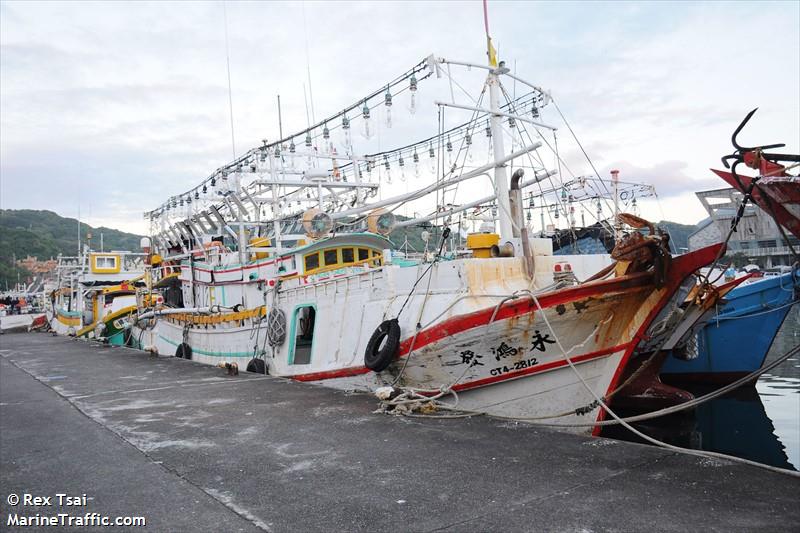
[280,122]
[228,61]
[308,63]
[305,97]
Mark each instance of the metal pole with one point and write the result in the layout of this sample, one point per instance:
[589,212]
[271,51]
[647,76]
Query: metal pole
[276,214]
[500,175]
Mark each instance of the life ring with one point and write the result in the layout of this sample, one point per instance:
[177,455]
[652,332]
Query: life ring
[383,346]
[184,350]
[257,366]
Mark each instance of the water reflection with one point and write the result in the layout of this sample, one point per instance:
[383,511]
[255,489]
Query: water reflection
[760,423]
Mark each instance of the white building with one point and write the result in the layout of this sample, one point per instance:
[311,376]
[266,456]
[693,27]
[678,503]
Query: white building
[757,234]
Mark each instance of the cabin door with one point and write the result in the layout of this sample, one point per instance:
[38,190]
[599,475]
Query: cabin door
[302,340]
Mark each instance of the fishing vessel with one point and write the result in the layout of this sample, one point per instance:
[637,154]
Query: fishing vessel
[282,261]
[95,294]
[735,340]
[738,336]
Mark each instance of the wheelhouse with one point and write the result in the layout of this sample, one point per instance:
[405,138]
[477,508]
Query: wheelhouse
[341,251]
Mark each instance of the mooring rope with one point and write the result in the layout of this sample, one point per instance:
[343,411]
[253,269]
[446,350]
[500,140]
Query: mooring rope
[414,395]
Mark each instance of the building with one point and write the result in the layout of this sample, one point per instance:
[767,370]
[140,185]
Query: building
[757,235]
[32,264]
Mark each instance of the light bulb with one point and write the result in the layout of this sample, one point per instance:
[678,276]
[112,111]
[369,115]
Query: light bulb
[365,112]
[388,102]
[412,86]
[348,138]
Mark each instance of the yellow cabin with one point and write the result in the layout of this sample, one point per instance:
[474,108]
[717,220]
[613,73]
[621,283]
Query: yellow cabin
[341,251]
[102,263]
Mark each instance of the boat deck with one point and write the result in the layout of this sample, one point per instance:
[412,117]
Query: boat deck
[188,447]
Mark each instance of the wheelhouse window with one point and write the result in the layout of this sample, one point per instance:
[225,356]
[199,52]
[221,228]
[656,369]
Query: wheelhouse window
[312,261]
[106,262]
[348,256]
[331,257]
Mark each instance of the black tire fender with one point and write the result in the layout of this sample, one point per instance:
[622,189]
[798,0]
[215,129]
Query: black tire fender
[184,350]
[380,354]
[257,366]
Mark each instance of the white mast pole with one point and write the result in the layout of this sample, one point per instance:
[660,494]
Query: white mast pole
[500,175]
[276,219]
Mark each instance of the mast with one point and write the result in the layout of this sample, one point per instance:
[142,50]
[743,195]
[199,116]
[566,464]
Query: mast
[500,174]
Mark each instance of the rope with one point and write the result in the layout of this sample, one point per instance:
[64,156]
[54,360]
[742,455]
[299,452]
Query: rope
[766,312]
[599,402]
[445,234]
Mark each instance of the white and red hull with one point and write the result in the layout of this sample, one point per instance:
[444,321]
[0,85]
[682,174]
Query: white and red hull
[499,354]
[521,372]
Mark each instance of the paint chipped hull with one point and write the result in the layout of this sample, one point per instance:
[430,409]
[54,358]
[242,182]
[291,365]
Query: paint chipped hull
[513,367]
[521,372]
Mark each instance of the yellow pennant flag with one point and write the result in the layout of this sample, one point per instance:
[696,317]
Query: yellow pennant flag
[492,52]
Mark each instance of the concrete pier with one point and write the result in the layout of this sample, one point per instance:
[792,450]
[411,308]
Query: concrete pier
[190,448]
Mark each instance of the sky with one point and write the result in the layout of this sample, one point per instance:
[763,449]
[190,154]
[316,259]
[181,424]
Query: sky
[111,107]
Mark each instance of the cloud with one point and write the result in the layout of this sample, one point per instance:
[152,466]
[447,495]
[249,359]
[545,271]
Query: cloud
[125,104]
[668,177]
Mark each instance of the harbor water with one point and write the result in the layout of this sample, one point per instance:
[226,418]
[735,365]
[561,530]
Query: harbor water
[760,423]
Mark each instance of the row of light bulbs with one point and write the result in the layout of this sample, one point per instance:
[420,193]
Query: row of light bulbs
[532,100]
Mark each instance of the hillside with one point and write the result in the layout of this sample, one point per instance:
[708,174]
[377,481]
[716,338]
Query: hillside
[678,233]
[44,234]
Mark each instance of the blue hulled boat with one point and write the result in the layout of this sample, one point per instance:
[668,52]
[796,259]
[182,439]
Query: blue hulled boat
[735,342]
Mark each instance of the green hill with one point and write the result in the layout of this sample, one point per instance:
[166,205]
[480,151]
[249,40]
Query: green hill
[678,234]
[44,234]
